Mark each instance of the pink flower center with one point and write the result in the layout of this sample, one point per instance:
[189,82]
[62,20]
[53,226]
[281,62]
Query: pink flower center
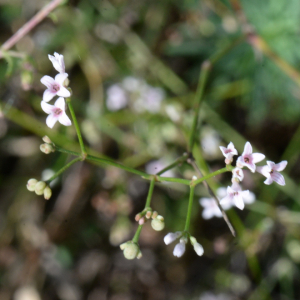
[247,160]
[56,87]
[57,111]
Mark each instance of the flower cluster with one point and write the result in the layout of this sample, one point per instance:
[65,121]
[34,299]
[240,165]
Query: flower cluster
[144,97]
[56,87]
[183,239]
[235,194]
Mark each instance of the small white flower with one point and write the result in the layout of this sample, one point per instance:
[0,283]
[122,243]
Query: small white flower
[58,62]
[236,195]
[271,171]
[249,159]
[56,113]
[210,207]
[238,174]
[228,152]
[179,248]
[198,249]
[55,87]
[116,98]
[171,237]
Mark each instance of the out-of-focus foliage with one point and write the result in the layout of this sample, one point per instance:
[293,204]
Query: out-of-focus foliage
[67,248]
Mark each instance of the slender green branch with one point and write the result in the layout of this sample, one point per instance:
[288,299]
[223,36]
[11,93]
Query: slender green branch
[150,192]
[83,151]
[178,161]
[204,178]
[211,192]
[63,169]
[190,206]
[137,234]
[115,164]
[204,72]
[205,68]
[66,151]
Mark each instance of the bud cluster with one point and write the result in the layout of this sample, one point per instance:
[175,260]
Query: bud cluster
[157,222]
[131,250]
[39,187]
[48,147]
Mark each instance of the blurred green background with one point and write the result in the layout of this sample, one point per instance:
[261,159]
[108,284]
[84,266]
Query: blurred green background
[67,248]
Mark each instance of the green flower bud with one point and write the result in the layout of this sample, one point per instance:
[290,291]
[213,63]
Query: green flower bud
[47,140]
[47,148]
[131,250]
[158,223]
[39,187]
[31,183]
[47,193]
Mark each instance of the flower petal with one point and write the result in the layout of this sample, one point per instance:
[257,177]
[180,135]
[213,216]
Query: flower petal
[63,92]
[60,103]
[247,149]
[60,78]
[47,108]
[207,213]
[48,95]
[257,157]
[264,170]
[51,120]
[238,201]
[64,119]
[280,166]
[277,177]
[47,81]
[269,180]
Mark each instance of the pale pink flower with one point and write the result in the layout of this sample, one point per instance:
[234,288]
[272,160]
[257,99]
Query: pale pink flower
[237,173]
[58,62]
[236,195]
[249,159]
[271,171]
[228,152]
[55,87]
[56,113]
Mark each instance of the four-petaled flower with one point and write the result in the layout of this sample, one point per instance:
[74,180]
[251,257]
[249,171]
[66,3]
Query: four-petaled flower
[271,171]
[237,173]
[228,152]
[249,159]
[55,87]
[58,62]
[236,195]
[56,113]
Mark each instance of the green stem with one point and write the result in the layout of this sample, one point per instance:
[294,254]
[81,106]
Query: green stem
[63,169]
[178,161]
[83,151]
[66,151]
[150,192]
[228,168]
[137,234]
[205,68]
[189,212]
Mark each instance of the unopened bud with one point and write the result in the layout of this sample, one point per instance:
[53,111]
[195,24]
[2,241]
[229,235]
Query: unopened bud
[154,215]
[47,148]
[31,183]
[142,221]
[47,193]
[39,187]
[139,255]
[148,214]
[138,217]
[47,140]
[158,223]
[130,250]
[228,161]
